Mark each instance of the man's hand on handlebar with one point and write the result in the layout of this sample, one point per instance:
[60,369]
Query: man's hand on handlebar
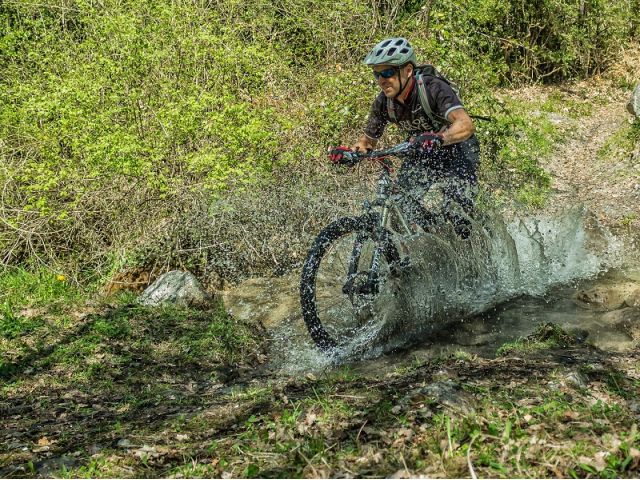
[343,155]
[426,142]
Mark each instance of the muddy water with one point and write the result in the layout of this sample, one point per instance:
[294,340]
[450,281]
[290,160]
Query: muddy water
[472,296]
[519,317]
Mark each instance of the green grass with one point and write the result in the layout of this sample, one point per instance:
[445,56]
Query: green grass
[515,144]
[45,324]
[39,288]
[328,427]
[621,144]
[547,335]
[27,297]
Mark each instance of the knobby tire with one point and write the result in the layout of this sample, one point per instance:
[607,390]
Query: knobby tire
[366,227]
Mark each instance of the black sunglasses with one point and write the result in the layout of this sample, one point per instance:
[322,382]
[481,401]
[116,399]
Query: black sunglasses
[387,73]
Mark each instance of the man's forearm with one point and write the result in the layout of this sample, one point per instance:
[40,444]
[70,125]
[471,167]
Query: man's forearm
[460,129]
[365,143]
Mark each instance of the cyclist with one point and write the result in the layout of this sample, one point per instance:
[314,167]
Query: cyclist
[443,142]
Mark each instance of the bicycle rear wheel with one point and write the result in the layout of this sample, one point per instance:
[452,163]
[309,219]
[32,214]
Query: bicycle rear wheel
[343,276]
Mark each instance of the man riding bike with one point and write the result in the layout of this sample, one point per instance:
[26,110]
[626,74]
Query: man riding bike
[444,145]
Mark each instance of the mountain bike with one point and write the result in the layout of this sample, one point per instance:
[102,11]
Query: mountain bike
[353,262]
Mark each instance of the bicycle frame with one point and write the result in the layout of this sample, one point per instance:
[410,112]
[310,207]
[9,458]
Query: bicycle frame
[387,207]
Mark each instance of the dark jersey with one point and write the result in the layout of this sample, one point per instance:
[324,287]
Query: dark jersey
[410,115]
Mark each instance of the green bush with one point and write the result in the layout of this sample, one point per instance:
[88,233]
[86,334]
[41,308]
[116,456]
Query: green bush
[528,40]
[111,110]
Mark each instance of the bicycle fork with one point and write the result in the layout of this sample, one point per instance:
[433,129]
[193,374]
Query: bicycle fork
[356,283]
[363,282]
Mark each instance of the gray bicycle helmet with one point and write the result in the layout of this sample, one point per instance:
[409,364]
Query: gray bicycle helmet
[396,51]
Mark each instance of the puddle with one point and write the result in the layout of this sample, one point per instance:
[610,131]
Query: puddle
[517,318]
[464,295]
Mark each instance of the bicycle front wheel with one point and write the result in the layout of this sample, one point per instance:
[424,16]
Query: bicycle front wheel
[344,275]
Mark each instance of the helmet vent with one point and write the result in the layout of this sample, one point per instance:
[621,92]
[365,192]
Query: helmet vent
[391,51]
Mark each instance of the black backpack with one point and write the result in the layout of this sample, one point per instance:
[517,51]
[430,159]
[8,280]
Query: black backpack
[423,74]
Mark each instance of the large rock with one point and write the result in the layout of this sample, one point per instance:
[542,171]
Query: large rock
[626,320]
[609,297]
[176,288]
[634,102]
[633,299]
[445,393]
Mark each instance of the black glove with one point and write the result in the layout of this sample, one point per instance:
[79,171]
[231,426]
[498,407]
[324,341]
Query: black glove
[343,155]
[427,141]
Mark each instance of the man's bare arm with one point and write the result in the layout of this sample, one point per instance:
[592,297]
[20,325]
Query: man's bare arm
[461,127]
[365,143]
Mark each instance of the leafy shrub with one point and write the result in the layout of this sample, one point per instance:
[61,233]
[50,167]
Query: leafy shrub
[114,115]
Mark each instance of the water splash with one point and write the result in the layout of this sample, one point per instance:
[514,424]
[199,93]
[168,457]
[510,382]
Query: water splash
[452,278]
[449,278]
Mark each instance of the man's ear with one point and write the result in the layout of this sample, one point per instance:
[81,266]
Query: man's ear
[409,70]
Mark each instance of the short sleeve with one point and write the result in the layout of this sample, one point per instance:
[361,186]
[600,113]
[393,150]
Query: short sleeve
[444,99]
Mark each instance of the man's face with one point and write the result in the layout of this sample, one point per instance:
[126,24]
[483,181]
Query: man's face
[388,80]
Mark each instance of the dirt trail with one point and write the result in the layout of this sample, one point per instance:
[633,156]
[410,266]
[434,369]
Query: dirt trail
[609,186]
[592,166]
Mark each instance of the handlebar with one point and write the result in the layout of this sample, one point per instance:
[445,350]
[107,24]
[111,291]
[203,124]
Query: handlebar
[379,154]
[351,158]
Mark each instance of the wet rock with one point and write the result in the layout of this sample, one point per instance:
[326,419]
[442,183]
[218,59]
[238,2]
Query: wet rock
[579,335]
[124,443]
[176,288]
[633,107]
[626,320]
[575,379]
[445,393]
[633,299]
[608,297]
[51,467]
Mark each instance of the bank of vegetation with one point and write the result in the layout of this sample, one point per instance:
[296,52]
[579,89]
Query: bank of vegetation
[172,133]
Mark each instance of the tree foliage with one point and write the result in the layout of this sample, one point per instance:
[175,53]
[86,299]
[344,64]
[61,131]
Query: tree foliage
[111,107]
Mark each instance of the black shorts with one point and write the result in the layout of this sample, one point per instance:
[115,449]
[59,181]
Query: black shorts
[455,167]
[458,160]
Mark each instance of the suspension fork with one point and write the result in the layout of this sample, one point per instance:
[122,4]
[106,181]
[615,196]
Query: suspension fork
[352,270]
[371,284]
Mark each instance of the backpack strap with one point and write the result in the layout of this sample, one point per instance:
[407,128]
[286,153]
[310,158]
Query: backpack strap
[391,110]
[438,121]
